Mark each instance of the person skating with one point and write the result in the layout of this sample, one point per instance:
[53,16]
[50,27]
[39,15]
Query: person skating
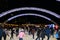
[5,33]
[33,32]
[38,34]
[12,32]
[43,33]
[47,32]
[21,34]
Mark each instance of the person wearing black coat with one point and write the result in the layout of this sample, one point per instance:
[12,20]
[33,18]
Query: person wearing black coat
[43,33]
[38,34]
[12,32]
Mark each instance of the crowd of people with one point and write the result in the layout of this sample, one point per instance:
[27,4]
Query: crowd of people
[41,32]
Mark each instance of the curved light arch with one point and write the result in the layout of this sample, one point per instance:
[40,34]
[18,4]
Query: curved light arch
[30,8]
[58,0]
[26,15]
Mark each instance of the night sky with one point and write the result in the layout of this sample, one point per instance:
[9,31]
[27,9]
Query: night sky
[51,5]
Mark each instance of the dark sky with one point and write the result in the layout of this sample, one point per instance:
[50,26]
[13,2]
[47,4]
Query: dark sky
[51,5]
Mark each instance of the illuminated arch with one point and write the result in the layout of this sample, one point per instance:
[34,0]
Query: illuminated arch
[30,8]
[58,0]
[28,14]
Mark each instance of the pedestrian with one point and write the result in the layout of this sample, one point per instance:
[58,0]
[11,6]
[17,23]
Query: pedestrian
[21,34]
[1,32]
